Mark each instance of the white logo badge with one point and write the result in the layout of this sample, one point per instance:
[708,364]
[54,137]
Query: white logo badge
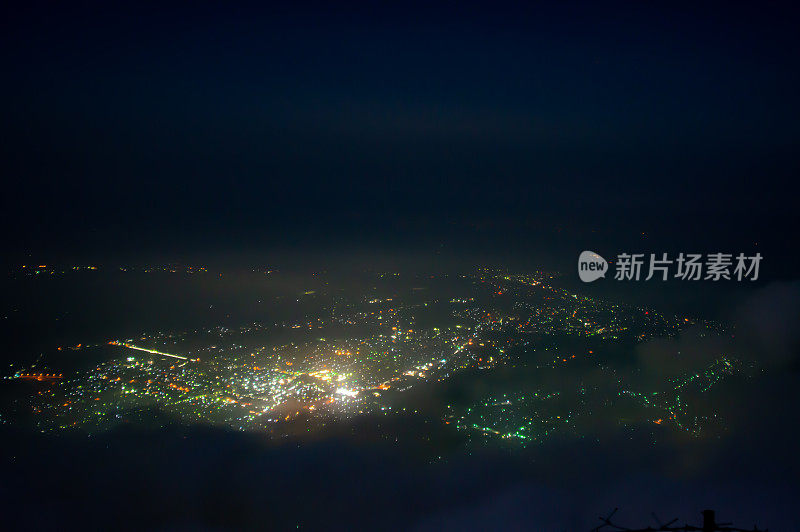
[591,266]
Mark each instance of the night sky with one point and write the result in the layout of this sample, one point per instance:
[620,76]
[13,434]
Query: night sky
[136,130]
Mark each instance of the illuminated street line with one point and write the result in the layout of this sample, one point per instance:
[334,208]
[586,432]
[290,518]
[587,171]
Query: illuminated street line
[136,348]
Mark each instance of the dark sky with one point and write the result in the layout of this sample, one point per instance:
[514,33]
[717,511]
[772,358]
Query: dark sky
[229,128]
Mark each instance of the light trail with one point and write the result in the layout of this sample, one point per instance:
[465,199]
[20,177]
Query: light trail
[153,351]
